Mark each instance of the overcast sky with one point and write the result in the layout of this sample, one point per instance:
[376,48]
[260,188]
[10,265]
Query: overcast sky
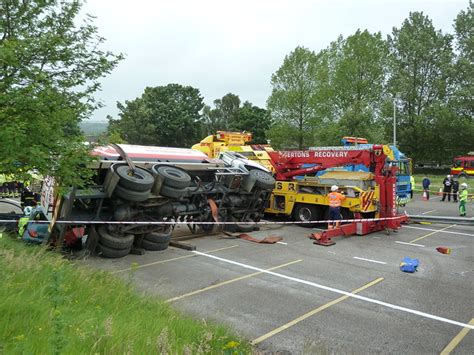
[232,46]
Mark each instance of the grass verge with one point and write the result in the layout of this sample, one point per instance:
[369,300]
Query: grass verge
[50,305]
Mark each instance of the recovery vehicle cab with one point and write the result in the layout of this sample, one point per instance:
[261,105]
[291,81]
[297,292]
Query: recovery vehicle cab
[140,192]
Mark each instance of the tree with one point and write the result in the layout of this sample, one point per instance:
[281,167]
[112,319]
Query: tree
[353,91]
[49,71]
[291,103]
[252,119]
[222,116]
[164,116]
[420,72]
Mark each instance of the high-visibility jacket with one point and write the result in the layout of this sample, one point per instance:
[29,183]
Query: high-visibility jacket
[412,181]
[463,195]
[22,222]
[335,199]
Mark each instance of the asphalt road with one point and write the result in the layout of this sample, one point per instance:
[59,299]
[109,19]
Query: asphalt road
[292,296]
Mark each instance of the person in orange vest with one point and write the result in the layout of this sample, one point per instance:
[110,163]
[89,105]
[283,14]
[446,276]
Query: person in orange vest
[335,200]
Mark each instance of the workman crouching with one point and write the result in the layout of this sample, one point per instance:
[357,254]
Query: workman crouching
[335,200]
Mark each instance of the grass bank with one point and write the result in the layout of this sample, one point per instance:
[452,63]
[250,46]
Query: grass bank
[52,305]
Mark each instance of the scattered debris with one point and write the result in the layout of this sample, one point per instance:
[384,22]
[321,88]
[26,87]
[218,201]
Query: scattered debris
[409,265]
[444,250]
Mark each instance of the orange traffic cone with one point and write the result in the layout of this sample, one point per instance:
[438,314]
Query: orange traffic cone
[425,196]
[444,250]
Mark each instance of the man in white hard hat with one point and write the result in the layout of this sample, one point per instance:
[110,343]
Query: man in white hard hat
[335,201]
[463,200]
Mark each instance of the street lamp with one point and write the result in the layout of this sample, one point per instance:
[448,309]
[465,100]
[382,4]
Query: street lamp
[397,95]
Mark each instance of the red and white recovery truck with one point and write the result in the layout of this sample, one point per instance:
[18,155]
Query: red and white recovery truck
[306,198]
[139,191]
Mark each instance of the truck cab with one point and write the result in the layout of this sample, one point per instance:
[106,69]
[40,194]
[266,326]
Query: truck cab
[463,167]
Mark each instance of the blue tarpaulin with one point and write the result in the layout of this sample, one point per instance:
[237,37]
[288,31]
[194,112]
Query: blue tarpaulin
[409,264]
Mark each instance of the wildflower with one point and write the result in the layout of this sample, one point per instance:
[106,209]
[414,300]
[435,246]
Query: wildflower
[231,344]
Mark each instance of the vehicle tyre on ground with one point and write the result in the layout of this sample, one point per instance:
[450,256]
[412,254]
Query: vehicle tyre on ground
[172,176]
[137,180]
[147,245]
[111,252]
[110,240]
[158,237]
[306,212]
[263,179]
[130,195]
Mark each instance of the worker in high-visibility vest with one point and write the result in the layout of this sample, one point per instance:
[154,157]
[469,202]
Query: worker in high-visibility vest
[23,221]
[412,186]
[335,201]
[463,200]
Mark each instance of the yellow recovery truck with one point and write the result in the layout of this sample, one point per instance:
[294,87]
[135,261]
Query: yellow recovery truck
[304,197]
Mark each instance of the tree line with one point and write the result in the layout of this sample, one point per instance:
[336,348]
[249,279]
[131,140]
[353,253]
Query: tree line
[51,64]
[354,87]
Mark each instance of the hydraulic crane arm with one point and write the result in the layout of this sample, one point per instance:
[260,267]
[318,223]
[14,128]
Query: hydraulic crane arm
[288,164]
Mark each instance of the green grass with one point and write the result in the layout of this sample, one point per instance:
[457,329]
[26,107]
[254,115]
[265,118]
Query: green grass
[436,181]
[49,305]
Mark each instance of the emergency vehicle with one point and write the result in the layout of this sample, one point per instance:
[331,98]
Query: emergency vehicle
[463,166]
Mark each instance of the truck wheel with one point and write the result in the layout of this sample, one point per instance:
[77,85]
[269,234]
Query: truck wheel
[147,245]
[304,213]
[263,179]
[172,176]
[111,252]
[118,242]
[130,195]
[158,237]
[138,180]
[171,192]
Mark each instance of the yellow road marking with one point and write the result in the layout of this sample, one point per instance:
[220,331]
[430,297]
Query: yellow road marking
[456,340]
[313,312]
[230,281]
[429,234]
[167,260]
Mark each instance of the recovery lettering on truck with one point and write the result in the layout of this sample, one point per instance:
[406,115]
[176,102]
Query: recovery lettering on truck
[139,188]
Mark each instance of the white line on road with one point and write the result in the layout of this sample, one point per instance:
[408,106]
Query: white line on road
[282,243]
[412,244]
[341,292]
[437,230]
[370,260]
[428,211]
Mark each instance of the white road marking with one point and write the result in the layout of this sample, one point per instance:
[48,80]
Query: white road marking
[282,243]
[412,244]
[370,260]
[437,230]
[428,211]
[341,292]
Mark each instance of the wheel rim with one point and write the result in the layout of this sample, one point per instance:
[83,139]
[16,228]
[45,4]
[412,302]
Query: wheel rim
[304,214]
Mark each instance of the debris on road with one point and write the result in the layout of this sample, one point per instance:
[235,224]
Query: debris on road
[409,265]
[444,250]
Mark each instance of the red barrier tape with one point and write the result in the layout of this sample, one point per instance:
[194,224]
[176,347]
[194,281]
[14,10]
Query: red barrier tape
[172,222]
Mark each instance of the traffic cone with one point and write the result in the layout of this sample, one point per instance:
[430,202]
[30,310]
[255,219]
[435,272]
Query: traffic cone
[425,196]
[444,250]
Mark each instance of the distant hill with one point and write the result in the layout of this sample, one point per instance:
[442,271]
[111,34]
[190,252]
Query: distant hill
[91,128]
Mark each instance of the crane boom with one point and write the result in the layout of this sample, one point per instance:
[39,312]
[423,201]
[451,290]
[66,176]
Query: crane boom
[288,164]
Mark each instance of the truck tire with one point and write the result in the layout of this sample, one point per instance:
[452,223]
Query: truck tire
[171,192]
[111,252]
[305,212]
[139,180]
[158,237]
[263,179]
[130,195]
[147,245]
[172,176]
[118,242]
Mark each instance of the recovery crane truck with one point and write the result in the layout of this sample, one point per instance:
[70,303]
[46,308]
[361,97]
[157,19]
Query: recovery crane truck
[140,191]
[369,195]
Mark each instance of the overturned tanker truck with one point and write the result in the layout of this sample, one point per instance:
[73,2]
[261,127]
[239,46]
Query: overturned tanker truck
[138,190]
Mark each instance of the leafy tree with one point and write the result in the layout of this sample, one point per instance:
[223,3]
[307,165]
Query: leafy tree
[164,115]
[291,103]
[252,119]
[352,94]
[420,73]
[49,71]
[222,116]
